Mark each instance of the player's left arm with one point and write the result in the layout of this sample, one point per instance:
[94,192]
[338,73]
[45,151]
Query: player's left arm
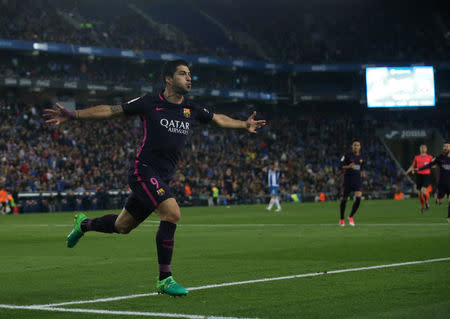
[429,165]
[363,170]
[250,125]
[434,159]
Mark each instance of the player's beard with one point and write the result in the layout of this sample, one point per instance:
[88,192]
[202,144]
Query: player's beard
[182,90]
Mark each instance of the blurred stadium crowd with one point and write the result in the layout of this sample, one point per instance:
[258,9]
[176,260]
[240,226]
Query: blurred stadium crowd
[85,157]
[126,72]
[303,32]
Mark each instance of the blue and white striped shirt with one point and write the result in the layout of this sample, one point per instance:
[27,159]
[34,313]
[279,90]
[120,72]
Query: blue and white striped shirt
[272,177]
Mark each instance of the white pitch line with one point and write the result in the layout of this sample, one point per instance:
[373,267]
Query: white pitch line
[236,283]
[80,302]
[114,312]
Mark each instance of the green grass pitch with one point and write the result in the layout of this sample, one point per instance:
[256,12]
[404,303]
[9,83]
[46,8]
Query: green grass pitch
[215,245]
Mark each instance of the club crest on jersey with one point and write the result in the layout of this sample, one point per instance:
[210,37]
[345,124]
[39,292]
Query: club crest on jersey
[160,192]
[187,113]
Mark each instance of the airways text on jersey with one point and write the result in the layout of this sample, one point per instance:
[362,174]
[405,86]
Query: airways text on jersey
[175,126]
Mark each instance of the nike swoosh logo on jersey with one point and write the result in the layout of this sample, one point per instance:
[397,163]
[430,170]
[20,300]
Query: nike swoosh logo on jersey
[159,108]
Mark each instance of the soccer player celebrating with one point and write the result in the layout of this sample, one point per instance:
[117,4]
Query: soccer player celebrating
[273,176]
[423,179]
[167,120]
[443,162]
[352,163]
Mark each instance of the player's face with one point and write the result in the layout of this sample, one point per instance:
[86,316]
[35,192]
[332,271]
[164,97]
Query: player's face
[446,148]
[423,149]
[356,147]
[181,81]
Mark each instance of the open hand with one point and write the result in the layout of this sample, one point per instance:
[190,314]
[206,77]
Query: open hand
[252,125]
[59,115]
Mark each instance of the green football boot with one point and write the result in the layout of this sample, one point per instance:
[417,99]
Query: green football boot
[170,287]
[76,233]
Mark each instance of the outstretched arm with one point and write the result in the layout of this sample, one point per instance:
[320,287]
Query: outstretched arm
[429,165]
[100,112]
[251,125]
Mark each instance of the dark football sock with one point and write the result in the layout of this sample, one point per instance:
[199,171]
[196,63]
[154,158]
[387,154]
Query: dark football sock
[355,206]
[448,216]
[343,203]
[164,246]
[104,224]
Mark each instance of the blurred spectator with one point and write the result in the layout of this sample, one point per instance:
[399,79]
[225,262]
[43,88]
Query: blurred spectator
[6,202]
[290,31]
[91,158]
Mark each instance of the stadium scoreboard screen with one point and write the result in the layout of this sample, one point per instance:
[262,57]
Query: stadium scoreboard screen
[400,86]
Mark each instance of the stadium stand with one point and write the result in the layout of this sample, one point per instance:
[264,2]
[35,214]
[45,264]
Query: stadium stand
[59,67]
[85,170]
[89,156]
[289,32]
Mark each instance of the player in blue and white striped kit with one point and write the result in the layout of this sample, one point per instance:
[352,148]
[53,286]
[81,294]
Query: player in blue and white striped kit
[273,177]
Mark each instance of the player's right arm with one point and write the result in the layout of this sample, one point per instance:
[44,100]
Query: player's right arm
[99,112]
[346,163]
[351,165]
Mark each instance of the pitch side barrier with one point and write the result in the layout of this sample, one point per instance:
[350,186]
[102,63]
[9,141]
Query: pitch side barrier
[35,202]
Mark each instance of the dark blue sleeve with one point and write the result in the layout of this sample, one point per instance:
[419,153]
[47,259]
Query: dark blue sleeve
[430,164]
[345,160]
[135,106]
[203,115]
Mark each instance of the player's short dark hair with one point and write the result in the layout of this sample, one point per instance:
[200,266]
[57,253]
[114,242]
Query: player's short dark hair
[170,67]
[447,142]
[356,140]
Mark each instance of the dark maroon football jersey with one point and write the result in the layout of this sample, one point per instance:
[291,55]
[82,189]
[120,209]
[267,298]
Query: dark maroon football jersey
[166,128]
